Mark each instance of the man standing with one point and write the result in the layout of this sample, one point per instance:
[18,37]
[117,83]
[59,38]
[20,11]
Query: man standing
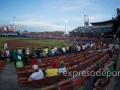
[5,46]
[38,53]
[15,56]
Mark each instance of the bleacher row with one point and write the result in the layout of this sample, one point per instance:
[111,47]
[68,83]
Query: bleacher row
[73,62]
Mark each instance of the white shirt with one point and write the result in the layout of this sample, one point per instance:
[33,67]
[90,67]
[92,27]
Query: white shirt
[7,52]
[5,45]
[37,75]
[53,51]
[91,44]
[27,52]
[83,47]
[19,51]
[19,57]
[86,45]
[63,49]
[78,48]
[55,48]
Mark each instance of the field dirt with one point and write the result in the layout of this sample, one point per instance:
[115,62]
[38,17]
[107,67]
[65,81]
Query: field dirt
[19,43]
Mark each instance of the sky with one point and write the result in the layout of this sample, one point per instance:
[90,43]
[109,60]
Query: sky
[49,15]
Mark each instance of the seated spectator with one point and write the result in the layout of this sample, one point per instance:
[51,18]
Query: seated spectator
[37,75]
[33,60]
[19,63]
[62,68]
[109,68]
[53,71]
[8,60]
[38,59]
[115,59]
[101,83]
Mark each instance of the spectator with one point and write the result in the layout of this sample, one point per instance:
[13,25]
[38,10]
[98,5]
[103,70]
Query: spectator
[8,60]
[5,46]
[55,48]
[15,56]
[115,59]
[7,53]
[19,63]
[27,51]
[37,75]
[63,50]
[102,82]
[33,60]
[44,52]
[83,47]
[62,68]
[38,59]
[78,48]
[23,51]
[53,71]
[19,51]
[32,51]
[109,68]
[26,59]
[52,51]
[38,52]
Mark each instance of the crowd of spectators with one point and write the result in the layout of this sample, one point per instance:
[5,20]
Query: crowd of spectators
[44,34]
[91,30]
[26,56]
[102,80]
[7,33]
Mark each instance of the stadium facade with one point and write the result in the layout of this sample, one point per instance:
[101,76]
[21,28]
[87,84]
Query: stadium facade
[107,28]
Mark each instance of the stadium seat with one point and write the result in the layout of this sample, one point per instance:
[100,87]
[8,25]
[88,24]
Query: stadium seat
[43,66]
[61,77]
[39,83]
[67,65]
[28,68]
[21,69]
[51,79]
[22,76]
[25,85]
[65,85]
[50,88]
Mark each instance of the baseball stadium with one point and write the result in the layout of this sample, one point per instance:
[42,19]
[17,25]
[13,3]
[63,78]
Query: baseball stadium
[54,60]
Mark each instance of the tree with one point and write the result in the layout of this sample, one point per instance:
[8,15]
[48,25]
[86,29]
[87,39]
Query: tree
[25,30]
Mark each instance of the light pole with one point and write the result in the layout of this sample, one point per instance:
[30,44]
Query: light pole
[65,26]
[13,19]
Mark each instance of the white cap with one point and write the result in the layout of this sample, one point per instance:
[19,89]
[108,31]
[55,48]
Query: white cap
[35,67]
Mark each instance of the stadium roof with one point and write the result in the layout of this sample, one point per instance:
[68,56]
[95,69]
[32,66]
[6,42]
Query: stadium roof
[105,22]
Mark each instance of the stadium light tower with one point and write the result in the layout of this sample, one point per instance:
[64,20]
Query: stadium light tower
[14,19]
[65,26]
[86,20]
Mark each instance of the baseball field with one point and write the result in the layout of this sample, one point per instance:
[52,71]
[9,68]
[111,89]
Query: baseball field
[28,42]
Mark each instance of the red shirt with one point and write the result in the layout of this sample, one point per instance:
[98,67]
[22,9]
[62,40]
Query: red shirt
[33,61]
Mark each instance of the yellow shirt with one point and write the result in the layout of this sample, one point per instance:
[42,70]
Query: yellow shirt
[51,72]
[46,50]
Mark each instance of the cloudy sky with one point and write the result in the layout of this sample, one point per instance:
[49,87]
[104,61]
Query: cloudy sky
[49,15]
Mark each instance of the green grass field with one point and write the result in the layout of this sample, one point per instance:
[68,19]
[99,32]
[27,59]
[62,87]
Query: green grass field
[43,42]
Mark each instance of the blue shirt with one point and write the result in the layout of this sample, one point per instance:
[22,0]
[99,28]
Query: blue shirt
[62,70]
